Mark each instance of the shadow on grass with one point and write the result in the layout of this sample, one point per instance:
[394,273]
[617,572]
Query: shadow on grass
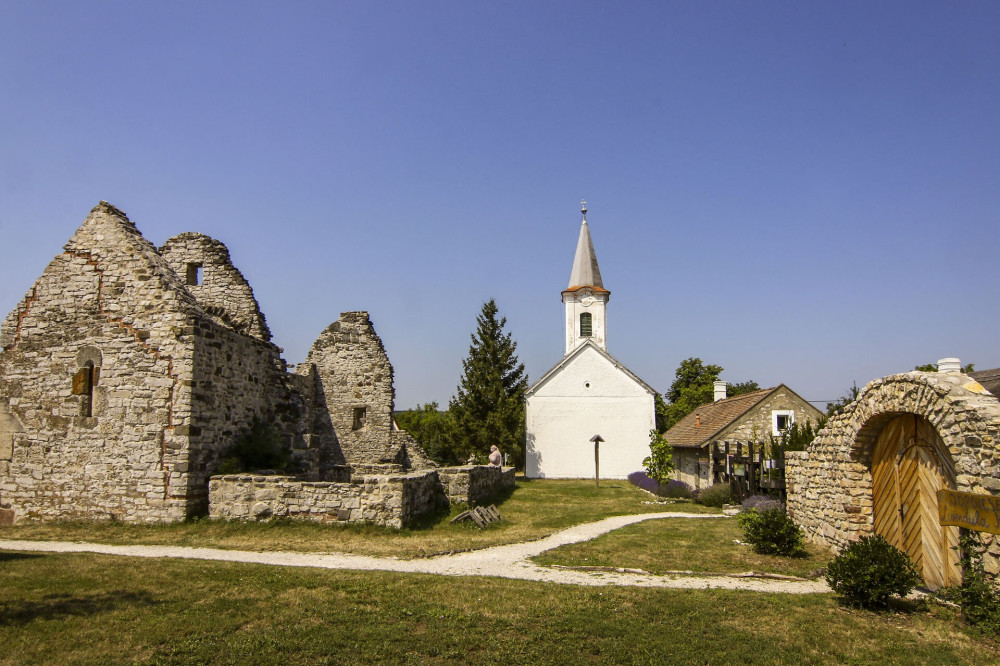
[55,606]
[13,557]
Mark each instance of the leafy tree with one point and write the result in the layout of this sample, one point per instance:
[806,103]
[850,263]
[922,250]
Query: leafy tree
[434,428]
[932,367]
[693,387]
[741,388]
[659,465]
[693,375]
[852,395]
[797,436]
[488,407]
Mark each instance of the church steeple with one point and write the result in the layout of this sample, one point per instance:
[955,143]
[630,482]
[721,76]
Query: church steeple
[585,298]
[585,271]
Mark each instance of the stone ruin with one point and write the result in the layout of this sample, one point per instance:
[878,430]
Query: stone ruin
[127,372]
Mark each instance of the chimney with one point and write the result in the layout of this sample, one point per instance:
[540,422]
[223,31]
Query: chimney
[949,365]
[697,420]
[720,390]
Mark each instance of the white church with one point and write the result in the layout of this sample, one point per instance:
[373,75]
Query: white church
[588,393]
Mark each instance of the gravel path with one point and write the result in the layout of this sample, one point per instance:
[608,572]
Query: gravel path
[509,561]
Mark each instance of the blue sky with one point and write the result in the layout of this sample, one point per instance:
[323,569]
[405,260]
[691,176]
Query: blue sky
[800,192]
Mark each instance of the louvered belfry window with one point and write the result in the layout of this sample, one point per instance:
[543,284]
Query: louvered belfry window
[586,325]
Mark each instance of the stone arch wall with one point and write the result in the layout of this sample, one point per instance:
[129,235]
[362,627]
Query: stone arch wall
[830,484]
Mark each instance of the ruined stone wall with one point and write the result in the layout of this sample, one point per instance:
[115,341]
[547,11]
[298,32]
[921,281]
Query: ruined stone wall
[90,371]
[236,379]
[204,265]
[473,484]
[830,484]
[390,500]
[120,390]
[356,382]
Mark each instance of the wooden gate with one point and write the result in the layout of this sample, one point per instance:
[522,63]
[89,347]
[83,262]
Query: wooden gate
[909,465]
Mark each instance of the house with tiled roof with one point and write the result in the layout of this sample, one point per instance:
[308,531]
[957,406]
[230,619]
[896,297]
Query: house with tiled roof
[750,417]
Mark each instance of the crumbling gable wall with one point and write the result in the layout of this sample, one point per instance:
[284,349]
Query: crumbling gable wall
[92,368]
[237,374]
[355,378]
[209,274]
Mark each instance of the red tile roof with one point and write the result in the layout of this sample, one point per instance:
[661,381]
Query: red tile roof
[704,423]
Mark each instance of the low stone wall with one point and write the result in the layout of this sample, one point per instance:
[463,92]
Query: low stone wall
[390,500]
[472,484]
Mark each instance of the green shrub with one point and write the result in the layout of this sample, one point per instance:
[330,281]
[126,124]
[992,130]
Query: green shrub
[258,448]
[675,489]
[978,597]
[869,571]
[716,495]
[772,532]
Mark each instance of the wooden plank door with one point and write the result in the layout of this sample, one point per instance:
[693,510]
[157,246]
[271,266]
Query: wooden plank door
[909,465]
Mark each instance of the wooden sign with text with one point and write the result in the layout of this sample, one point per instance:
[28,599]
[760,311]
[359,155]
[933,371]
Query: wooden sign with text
[970,510]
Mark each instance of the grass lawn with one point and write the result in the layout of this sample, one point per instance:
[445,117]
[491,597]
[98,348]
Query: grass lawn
[83,609]
[679,544]
[536,508]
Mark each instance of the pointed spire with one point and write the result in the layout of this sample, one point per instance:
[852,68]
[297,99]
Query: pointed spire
[585,269]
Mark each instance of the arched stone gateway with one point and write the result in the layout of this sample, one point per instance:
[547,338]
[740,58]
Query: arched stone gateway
[878,464]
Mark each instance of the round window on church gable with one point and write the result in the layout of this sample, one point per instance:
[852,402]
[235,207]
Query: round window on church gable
[586,385]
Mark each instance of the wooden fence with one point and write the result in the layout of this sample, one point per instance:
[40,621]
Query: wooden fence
[744,467]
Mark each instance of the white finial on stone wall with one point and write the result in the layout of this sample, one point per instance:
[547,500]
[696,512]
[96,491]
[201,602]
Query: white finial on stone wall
[949,365]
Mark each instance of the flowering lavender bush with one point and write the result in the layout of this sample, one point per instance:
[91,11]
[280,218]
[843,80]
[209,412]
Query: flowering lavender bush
[761,503]
[641,480]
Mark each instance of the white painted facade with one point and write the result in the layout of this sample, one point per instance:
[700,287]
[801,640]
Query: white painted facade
[588,392]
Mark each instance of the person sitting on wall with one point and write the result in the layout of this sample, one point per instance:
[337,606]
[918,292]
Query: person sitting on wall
[496,458]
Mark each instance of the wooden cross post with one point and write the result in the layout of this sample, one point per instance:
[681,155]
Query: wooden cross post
[597,439]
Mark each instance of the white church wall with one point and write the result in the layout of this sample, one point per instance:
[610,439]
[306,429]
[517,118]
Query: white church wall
[588,396]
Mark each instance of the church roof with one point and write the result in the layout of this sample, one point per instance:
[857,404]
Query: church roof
[586,272]
[568,358]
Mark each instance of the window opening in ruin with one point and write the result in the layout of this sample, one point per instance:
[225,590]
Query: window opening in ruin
[194,273]
[586,325]
[360,416]
[781,420]
[87,403]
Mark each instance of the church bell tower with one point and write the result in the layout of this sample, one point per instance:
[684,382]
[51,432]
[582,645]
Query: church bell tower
[585,298]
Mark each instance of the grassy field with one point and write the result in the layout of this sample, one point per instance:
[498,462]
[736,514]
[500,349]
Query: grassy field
[94,609]
[677,544]
[535,509]
[98,609]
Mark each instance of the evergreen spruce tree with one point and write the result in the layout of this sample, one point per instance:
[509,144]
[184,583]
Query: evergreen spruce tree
[489,405]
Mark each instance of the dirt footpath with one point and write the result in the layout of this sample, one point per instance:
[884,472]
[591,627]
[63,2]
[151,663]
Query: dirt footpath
[509,561]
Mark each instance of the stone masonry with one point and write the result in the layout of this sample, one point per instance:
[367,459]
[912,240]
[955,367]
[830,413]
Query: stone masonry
[830,484]
[127,372]
[392,500]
